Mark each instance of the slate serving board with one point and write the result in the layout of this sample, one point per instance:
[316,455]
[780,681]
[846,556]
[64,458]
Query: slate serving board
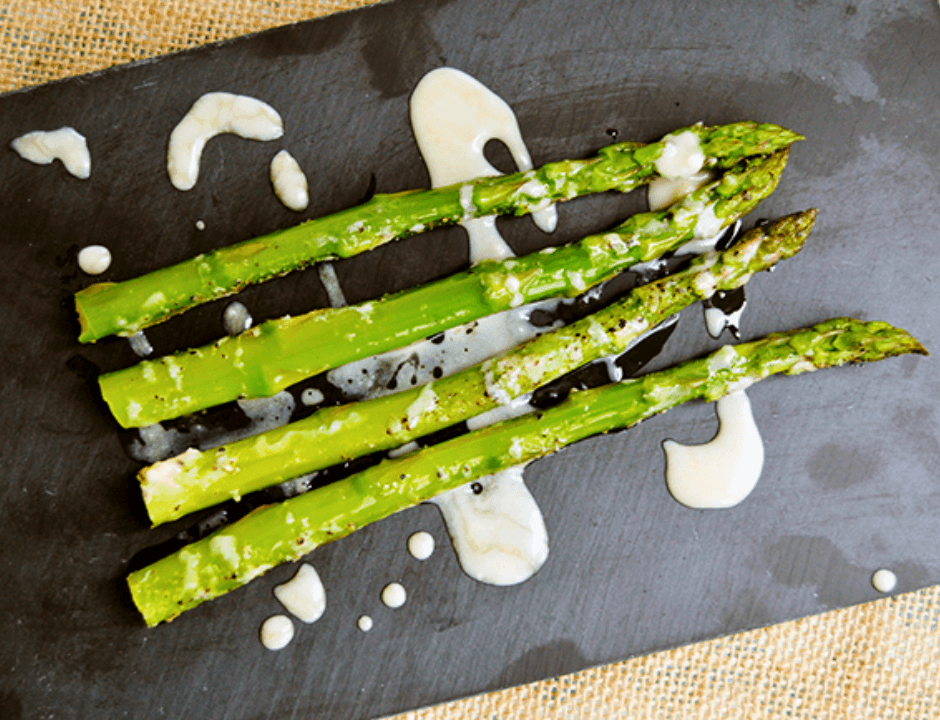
[850,481]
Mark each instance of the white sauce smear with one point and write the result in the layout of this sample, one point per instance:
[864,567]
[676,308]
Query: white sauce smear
[421,545]
[213,114]
[289,182]
[884,581]
[303,595]
[277,632]
[453,116]
[720,473]
[394,595]
[94,259]
[364,623]
[496,527]
[65,144]
[450,352]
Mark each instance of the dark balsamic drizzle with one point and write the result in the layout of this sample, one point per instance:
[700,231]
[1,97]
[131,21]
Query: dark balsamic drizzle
[731,301]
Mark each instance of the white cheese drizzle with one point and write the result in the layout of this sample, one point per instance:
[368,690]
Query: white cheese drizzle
[94,259]
[289,182]
[421,545]
[453,116]
[303,595]
[394,595]
[65,144]
[213,114]
[722,472]
[277,632]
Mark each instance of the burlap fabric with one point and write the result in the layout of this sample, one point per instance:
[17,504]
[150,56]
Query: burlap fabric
[880,660]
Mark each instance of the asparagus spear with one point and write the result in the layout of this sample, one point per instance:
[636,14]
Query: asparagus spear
[196,480]
[279,533]
[279,353]
[124,308]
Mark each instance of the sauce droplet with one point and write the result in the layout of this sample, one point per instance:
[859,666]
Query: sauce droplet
[421,545]
[394,595]
[884,581]
[289,182]
[277,632]
[364,623]
[303,595]
[94,259]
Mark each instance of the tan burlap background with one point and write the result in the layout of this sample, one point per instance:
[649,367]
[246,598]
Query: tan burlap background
[880,660]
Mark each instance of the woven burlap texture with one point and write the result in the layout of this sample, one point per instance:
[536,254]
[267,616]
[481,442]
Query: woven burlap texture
[880,660]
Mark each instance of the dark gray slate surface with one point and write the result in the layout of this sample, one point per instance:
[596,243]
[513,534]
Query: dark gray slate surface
[851,477]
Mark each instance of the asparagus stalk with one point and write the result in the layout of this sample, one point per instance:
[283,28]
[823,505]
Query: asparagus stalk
[234,555]
[279,353]
[196,480]
[124,308]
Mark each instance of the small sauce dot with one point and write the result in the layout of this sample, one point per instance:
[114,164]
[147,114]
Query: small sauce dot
[364,623]
[394,595]
[884,581]
[94,259]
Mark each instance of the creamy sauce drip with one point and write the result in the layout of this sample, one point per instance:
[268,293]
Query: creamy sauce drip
[884,581]
[289,182]
[453,116]
[421,545]
[303,595]
[200,225]
[65,144]
[94,259]
[394,595]
[236,318]
[724,471]
[213,114]
[496,527]
[277,632]
[364,623]
[334,290]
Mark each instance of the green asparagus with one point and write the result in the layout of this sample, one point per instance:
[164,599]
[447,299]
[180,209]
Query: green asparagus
[196,480]
[234,555]
[279,353]
[124,308]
